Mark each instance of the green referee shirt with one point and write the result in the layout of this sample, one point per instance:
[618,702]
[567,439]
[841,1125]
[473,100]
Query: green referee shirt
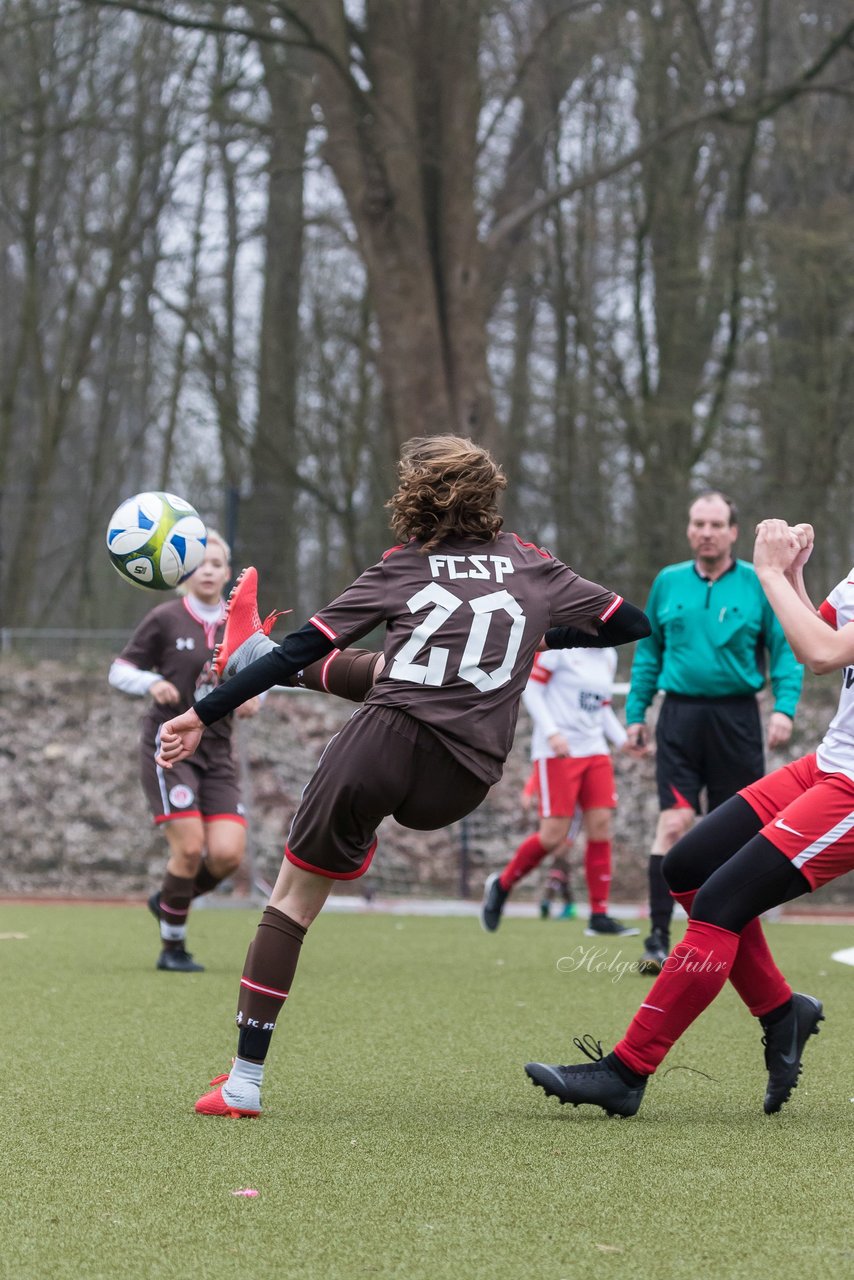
[709,640]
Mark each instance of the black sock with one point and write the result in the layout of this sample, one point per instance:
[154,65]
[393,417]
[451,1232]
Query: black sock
[778,1014]
[205,880]
[660,901]
[625,1073]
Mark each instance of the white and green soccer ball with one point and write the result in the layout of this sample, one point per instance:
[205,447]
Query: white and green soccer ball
[156,540]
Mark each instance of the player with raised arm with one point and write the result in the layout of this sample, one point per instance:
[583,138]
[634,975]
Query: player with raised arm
[783,836]
[465,607]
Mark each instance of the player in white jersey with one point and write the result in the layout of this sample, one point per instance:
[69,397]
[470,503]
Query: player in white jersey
[783,836]
[568,697]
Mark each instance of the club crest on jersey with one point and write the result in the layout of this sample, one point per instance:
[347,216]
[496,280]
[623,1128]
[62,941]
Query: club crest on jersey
[185,642]
[181,796]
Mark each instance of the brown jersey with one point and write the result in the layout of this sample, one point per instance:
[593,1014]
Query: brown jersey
[178,643]
[463,624]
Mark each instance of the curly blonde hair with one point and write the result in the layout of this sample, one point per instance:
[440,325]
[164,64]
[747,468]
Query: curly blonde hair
[448,487]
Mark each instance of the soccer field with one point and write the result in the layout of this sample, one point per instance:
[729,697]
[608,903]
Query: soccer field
[400,1136]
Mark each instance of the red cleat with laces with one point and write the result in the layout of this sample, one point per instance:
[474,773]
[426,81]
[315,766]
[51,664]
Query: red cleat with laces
[243,628]
[214,1104]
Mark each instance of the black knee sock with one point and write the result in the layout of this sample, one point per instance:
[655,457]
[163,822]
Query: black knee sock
[660,901]
[205,880]
[267,976]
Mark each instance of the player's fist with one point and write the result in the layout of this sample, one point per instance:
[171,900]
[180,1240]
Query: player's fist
[776,547]
[164,693]
[179,738]
[805,535]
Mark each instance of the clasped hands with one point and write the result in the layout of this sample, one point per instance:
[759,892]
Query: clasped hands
[781,547]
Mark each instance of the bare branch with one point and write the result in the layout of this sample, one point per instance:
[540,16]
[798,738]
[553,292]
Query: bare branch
[263,35]
[745,113]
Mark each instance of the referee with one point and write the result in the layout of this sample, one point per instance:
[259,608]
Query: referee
[713,633]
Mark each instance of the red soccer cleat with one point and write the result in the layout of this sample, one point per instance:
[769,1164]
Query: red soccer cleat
[242,623]
[214,1104]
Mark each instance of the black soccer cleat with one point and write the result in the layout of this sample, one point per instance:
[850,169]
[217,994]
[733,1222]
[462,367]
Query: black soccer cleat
[656,951]
[178,962]
[595,1082]
[784,1043]
[494,897]
[601,926]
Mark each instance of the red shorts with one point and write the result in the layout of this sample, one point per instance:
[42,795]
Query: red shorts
[570,782]
[808,816]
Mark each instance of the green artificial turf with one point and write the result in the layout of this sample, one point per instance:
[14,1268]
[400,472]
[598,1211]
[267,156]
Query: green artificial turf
[400,1136]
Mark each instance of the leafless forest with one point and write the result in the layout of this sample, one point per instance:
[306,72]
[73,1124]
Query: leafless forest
[247,249]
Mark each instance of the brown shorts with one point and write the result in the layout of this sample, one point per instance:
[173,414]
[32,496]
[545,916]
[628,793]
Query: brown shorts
[205,786]
[383,762]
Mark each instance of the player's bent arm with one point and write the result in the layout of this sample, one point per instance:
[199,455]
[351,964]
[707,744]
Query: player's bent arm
[127,678]
[537,705]
[297,650]
[813,642]
[626,623]
[612,728]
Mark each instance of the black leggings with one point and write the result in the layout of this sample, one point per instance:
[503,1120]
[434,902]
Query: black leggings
[737,872]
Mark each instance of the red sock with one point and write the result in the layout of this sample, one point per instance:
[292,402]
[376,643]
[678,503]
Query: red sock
[754,974]
[529,855]
[597,870]
[693,974]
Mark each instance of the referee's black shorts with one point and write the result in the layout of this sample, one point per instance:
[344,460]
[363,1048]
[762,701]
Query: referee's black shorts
[711,743]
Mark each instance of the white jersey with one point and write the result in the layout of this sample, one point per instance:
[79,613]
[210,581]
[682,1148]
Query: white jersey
[569,692]
[836,751]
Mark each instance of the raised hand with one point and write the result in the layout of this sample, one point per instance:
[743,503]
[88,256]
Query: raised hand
[805,534]
[776,548]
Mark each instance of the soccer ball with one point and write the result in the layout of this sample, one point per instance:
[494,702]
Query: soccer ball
[156,540]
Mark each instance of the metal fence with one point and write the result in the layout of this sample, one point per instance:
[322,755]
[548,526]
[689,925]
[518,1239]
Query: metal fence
[40,644]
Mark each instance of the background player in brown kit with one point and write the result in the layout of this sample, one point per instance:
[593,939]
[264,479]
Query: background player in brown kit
[465,608]
[168,659]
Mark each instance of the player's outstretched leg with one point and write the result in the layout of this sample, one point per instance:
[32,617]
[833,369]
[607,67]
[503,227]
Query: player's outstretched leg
[245,637]
[603,1081]
[785,1039]
[497,889]
[691,979]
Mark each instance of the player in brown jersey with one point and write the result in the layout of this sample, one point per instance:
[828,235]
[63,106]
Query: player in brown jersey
[465,608]
[169,660]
